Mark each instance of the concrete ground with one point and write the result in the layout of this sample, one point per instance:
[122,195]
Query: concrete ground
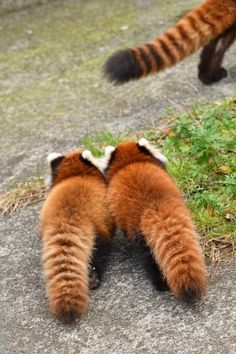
[126,314]
[52,94]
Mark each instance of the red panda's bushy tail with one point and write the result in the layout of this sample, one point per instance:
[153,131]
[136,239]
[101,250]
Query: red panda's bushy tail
[195,30]
[172,239]
[65,264]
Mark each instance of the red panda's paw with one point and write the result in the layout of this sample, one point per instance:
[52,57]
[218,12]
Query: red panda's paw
[94,278]
[211,78]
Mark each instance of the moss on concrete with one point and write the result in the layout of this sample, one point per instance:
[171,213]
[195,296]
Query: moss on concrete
[52,92]
[8,6]
[51,63]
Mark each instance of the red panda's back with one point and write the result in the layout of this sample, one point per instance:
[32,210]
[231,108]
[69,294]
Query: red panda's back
[135,188]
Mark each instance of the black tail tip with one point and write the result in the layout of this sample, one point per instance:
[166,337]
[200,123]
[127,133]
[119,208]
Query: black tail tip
[191,296]
[122,67]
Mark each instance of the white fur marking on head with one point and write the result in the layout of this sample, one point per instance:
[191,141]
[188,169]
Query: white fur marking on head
[154,151]
[53,156]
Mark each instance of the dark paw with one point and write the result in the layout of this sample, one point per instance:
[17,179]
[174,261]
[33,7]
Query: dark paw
[94,278]
[221,74]
[207,79]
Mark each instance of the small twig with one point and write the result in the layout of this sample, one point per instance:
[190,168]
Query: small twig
[213,275]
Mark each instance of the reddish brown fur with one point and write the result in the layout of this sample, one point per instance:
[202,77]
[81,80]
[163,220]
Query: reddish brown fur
[72,215]
[143,198]
[195,30]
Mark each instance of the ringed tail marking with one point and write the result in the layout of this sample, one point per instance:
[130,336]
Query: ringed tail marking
[195,30]
[65,262]
[173,241]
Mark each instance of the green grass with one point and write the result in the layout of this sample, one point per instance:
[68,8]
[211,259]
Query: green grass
[202,153]
[201,147]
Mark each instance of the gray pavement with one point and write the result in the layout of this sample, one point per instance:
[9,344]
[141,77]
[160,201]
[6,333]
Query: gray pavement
[126,314]
[51,95]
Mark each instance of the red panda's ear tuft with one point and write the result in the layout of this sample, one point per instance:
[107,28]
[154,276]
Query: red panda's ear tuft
[97,162]
[87,155]
[143,142]
[109,150]
[54,159]
[153,151]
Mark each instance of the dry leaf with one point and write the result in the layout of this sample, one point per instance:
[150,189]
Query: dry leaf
[224,169]
[170,132]
[230,216]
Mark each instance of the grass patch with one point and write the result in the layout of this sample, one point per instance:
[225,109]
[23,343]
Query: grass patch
[24,193]
[201,147]
[97,144]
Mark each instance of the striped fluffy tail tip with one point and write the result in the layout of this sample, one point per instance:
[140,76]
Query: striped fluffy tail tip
[122,67]
[69,309]
[67,317]
[68,314]
[191,296]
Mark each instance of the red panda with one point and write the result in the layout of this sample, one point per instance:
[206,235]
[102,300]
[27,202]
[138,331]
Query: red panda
[211,25]
[147,205]
[76,233]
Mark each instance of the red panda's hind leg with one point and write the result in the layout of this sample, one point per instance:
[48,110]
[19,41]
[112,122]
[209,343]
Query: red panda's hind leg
[99,261]
[149,263]
[210,67]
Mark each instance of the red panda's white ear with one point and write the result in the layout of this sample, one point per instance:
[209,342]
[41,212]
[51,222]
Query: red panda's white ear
[108,152]
[102,162]
[95,161]
[153,151]
[53,156]
[143,142]
[53,159]
[87,155]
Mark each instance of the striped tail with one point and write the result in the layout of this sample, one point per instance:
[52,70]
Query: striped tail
[66,266]
[173,242]
[193,31]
